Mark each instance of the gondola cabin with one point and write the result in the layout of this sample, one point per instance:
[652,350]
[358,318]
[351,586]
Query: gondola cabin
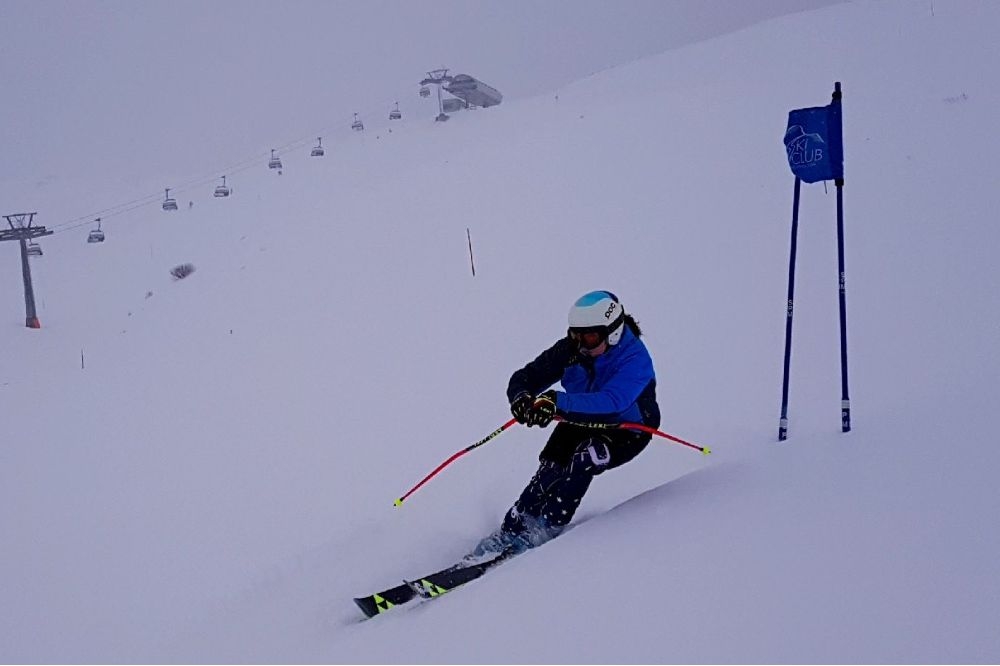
[275,162]
[96,235]
[169,203]
[317,150]
[223,189]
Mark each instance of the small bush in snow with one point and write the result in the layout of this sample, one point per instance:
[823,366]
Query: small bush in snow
[181,271]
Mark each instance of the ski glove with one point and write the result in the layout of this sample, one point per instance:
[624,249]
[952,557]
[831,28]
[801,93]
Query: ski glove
[543,410]
[520,406]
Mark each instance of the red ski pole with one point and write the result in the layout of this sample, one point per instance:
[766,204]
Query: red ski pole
[453,458]
[638,426]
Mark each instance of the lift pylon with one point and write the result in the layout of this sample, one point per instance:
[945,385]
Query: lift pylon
[22,229]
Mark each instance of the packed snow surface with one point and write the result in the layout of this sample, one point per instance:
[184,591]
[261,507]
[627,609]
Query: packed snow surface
[203,470]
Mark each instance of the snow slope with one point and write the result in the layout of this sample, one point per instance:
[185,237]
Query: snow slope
[216,482]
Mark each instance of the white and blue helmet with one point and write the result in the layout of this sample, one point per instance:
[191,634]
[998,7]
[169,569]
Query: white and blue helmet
[599,311]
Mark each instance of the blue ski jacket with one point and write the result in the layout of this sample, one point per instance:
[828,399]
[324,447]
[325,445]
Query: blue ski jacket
[616,387]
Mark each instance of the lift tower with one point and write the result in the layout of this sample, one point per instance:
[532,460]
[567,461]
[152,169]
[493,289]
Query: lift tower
[22,230]
[438,77]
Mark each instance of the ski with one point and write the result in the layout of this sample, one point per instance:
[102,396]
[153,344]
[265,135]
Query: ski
[382,601]
[426,587]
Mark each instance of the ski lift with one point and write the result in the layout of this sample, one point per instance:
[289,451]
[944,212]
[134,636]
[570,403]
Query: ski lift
[317,150]
[96,235]
[357,125]
[222,190]
[395,114]
[425,91]
[169,203]
[34,249]
[275,162]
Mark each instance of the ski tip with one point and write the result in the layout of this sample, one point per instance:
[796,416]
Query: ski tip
[367,606]
[398,502]
[705,451]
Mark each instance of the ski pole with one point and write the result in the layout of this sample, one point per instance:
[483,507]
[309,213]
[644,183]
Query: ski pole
[459,454]
[638,426]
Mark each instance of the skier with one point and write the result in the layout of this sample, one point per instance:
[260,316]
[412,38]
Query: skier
[607,377]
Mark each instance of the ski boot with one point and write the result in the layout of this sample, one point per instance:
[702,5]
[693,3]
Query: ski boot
[500,542]
[518,533]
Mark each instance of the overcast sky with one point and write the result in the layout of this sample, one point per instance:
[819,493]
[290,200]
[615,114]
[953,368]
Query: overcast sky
[190,82]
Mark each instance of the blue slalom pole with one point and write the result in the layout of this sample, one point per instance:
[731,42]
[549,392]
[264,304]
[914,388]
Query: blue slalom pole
[783,422]
[845,401]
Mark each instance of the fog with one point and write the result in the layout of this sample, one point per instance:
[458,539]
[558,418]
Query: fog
[191,85]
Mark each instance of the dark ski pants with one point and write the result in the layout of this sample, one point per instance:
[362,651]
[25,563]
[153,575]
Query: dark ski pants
[571,459]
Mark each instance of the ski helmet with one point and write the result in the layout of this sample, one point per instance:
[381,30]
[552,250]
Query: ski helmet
[598,311]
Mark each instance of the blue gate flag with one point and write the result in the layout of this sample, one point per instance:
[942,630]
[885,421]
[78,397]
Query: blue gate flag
[814,142]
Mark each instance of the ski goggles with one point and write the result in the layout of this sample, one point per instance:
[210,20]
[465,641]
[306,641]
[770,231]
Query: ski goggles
[588,338]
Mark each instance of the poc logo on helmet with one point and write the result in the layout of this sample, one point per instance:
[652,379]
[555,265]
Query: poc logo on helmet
[610,310]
